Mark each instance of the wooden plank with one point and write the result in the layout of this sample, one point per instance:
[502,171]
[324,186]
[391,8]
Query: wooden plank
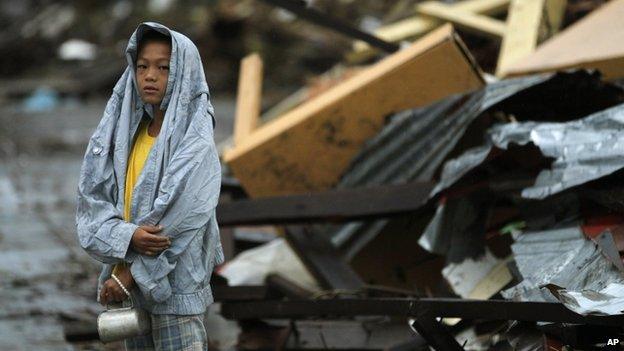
[323,260]
[309,147]
[287,287]
[409,307]
[478,24]
[529,22]
[417,26]
[249,97]
[483,7]
[435,333]
[335,205]
[239,293]
[594,42]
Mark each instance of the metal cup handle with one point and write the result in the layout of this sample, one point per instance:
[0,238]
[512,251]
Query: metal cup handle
[108,305]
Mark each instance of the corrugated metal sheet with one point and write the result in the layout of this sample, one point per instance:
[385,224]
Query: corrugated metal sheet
[413,146]
[563,257]
[415,143]
[583,150]
[606,302]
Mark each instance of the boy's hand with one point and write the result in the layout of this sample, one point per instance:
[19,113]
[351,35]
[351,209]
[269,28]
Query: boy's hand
[112,292]
[146,242]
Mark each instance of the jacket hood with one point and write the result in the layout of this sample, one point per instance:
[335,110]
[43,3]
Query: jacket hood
[185,63]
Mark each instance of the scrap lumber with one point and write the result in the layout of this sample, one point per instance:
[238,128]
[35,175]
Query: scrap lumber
[323,260]
[478,24]
[239,293]
[529,22]
[249,97]
[594,42]
[334,205]
[434,332]
[287,287]
[409,307]
[311,146]
[419,25]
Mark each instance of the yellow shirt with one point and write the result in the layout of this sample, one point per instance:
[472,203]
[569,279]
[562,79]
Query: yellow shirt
[140,150]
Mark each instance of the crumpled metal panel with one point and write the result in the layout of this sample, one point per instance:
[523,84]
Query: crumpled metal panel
[583,150]
[606,302]
[458,167]
[563,257]
[591,301]
[457,229]
[415,142]
[413,146]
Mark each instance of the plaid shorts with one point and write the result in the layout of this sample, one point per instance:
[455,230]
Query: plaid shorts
[172,333]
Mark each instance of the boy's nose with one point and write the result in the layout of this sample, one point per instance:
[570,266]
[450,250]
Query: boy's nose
[151,75]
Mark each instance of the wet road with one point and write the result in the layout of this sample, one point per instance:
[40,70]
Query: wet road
[47,283]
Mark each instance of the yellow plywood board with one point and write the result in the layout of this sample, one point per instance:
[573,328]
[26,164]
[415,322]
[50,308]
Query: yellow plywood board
[596,41]
[310,147]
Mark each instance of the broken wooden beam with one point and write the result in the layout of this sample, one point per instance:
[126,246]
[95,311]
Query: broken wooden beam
[529,22]
[469,21]
[334,205]
[239,293]
[419,25]
[408,307]
[435,333]
[248,98]
[287,287]
[323,260]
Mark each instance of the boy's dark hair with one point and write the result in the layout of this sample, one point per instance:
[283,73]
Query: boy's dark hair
[152,36]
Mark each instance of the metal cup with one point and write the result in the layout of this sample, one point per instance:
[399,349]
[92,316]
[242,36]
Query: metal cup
[121,323]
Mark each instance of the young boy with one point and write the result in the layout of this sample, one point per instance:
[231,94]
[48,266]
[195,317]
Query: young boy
[148,189]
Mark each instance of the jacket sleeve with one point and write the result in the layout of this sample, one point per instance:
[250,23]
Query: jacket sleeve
[195,175]
[101,230]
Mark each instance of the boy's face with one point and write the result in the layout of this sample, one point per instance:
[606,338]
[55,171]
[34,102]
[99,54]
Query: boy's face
[153,71]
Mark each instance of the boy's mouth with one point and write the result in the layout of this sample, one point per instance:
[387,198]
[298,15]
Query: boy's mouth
[150,89]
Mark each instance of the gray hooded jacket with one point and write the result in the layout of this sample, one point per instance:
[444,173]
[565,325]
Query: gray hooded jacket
[178,187]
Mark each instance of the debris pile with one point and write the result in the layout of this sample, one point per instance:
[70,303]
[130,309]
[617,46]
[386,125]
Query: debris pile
[427,204]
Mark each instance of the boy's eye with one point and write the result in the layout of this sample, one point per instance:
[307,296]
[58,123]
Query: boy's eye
[164,67]
[141,66]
